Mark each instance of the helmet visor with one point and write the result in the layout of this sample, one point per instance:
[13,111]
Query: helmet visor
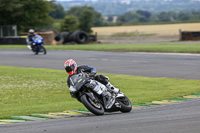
[70,68]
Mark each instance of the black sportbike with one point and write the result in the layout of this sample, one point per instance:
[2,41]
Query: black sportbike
[94,102]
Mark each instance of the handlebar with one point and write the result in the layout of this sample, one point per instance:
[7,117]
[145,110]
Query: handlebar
[86,75]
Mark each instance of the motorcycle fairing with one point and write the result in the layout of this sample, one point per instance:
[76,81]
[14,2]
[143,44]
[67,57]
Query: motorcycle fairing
[78,81]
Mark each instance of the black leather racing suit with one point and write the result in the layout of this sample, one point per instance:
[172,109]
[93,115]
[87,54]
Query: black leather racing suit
[101,78]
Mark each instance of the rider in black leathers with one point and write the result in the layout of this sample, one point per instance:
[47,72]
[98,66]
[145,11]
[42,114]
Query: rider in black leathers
[92,73]
[71,68]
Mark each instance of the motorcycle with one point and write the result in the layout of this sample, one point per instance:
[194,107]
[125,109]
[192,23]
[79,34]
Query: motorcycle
[92,101]
[37,45]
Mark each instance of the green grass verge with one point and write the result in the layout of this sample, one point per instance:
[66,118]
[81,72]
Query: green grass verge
[158,47]
[24,91]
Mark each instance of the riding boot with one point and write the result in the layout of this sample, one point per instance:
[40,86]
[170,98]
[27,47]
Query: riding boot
[112,88]
[29,46]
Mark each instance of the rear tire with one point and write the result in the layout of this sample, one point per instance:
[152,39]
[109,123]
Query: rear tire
[95,108]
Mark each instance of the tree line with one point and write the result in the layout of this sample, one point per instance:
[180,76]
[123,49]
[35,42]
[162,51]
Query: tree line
[119,7]
[145,17]
[77,18]
[129,18]
[39,14]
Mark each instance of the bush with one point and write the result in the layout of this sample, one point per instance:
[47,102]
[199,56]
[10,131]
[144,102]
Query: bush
[69,23]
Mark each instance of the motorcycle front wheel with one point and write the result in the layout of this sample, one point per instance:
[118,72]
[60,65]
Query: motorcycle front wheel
[125,103]
[94,107]
[44,50]
[37,49]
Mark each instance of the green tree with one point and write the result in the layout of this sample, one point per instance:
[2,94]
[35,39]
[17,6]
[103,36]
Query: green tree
[75,10]
[97,17]
[146,14]
[130,17]
[69,23]
[9,11]
[154,18]
[184,16]
[58,12]
[25,13]
[86,20]
[167,16]
[164,17]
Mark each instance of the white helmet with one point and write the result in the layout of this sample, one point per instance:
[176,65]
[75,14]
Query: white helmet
[31,31]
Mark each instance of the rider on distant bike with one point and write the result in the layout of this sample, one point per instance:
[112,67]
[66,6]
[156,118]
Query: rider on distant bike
[29,40]
[71,68]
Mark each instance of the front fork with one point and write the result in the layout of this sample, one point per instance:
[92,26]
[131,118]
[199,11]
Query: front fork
[88,93]
[91,96]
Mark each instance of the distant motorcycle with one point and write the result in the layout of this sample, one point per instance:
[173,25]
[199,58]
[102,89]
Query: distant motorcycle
[94,102]
[37,46]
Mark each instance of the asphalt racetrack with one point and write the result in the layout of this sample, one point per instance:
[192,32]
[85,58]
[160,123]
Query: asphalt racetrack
[186,66]
[181,117]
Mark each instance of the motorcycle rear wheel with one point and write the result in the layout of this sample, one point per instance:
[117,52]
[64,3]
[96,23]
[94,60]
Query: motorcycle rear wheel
[126,105]
[95,108]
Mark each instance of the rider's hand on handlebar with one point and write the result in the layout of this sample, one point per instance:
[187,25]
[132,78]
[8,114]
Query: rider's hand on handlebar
[92,75]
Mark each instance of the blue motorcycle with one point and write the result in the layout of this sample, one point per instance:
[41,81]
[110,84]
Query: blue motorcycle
[38,45]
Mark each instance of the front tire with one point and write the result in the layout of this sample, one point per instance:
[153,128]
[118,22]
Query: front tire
[95,108]
[125,103]
[45,51]
[37,50]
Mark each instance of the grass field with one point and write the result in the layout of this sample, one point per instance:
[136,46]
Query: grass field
[158,47]
[163,29]
[24,91]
